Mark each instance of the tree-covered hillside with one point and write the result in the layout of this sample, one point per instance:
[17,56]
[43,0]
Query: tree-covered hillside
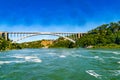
[107,35]
[62,43]
[37,44]
[33,44]
[8,45]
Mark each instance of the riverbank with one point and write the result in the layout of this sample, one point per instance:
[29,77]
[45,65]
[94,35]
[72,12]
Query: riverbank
[7,45]
[107,46]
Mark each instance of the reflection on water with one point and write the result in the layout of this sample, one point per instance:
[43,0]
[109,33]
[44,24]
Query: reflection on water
[60,64]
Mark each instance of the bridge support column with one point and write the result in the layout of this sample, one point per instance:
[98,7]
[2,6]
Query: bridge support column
[79,35]
[4,35]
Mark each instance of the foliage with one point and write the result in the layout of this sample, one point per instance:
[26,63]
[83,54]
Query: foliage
[7,45]
[4,44]
[34,44]
[102,35]
[61,43]
[109,46]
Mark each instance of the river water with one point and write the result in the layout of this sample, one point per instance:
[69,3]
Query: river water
[60,64]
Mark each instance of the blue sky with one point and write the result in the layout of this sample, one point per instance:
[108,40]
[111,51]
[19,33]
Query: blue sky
[57,15]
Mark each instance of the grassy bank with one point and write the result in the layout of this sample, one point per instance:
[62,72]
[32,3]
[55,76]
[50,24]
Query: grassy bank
[108,46]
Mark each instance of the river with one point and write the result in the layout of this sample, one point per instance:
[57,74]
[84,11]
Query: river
[60,64]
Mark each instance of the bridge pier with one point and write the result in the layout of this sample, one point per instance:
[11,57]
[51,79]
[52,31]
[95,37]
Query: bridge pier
[4,35]
[79,35]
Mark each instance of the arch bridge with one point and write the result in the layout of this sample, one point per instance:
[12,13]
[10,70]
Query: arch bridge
[17,36]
